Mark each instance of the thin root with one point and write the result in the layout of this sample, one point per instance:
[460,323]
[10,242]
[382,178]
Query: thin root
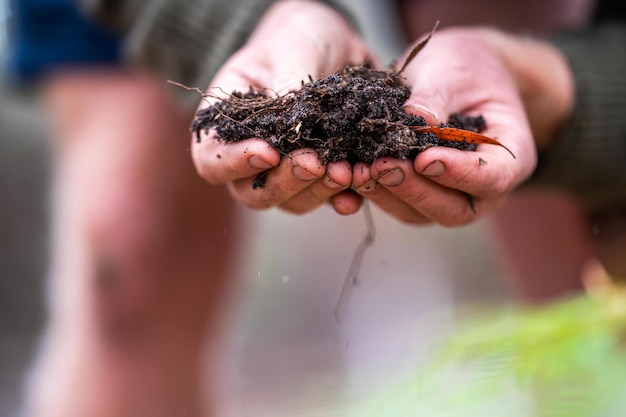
[352,278]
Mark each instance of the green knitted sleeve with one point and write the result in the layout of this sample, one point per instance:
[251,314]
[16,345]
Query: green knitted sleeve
[588,159]
[186,41]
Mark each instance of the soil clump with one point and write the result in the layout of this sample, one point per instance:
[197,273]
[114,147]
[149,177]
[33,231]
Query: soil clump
[356,115]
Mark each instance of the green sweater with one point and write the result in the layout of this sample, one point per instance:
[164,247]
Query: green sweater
[589,158]
[186,41]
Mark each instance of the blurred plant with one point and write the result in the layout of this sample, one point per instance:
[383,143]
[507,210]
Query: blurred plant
[566,359]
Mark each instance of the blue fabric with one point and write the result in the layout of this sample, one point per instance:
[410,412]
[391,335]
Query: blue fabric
[48,34]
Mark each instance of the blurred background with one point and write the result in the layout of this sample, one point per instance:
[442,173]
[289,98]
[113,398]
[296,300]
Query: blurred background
[285,353]
[24,177]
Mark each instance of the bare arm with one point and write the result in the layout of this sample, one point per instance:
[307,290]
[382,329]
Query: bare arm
[141,252]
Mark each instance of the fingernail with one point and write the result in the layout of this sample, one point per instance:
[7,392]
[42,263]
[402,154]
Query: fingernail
[368,187]
[430,117]
[393,177]
[330,183]
[257,162]
[302,174]
[434,169]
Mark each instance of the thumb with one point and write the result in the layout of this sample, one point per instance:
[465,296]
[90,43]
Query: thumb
[429,99]
[431,117]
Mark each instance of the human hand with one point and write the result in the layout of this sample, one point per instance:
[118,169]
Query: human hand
[475,72]
[294,40]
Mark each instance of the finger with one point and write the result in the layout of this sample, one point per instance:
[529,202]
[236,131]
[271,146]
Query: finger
[218,161]
[490,172]
[487,173]
[296,171]
[338,177]
[346,202]
[430,95]
[362,177]
[367,187]
[444,79]
[395,207]
[436,203]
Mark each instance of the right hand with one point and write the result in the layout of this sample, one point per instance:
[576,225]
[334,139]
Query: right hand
[523,88]
[294,40]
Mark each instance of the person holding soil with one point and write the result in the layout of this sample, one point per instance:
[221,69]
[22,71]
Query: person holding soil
[427,75]
[542,98]
[142,259]
[121,321]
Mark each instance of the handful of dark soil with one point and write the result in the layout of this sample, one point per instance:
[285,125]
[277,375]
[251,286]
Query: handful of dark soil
[355,115]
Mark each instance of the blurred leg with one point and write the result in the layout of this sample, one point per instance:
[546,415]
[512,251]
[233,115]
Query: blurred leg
[140,254]
[24,173]
[542,240]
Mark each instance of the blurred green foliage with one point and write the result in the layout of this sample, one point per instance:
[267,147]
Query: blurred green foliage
[566,359]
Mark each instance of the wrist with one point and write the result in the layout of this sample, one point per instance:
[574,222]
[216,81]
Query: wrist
[543,78]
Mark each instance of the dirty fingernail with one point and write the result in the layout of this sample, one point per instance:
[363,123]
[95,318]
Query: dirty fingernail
[257,162]
[421,111]
[434,169]
[368,187]
[393,177]
[302,174]
[330,183]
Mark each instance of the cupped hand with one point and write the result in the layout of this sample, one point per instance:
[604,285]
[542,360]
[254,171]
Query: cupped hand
[459,71]
[294,40]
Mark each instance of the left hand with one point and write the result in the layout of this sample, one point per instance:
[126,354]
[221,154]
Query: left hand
[464,71]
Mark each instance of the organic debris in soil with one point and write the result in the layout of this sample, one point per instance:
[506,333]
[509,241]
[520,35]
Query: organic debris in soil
[355,115]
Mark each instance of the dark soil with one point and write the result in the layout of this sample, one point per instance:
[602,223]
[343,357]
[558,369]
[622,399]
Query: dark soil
[355,115]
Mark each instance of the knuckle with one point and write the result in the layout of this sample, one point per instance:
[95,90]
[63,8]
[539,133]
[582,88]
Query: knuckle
[464,178]
[416,197]
[501,185]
